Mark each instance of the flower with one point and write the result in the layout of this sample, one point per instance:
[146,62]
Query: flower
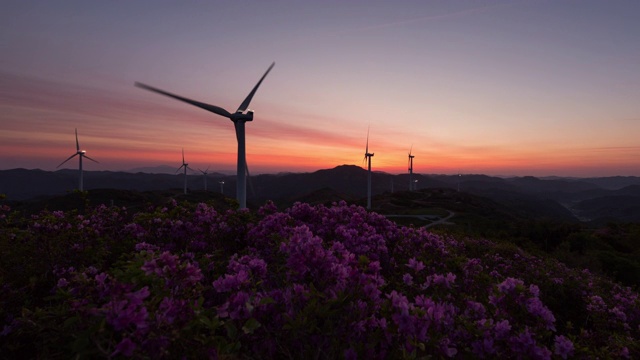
[563,347]
[126,347]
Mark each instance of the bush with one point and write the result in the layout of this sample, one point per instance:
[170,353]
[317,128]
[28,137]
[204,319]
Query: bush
[327,282]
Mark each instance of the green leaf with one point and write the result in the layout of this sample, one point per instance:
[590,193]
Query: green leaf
[70,322]
[267,300]
[250,326]
[232,331]
[81,343]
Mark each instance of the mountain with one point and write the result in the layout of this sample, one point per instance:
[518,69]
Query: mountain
[615,205]
[566,199]
[164,169]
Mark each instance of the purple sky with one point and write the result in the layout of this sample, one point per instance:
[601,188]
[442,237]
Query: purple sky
[495,87]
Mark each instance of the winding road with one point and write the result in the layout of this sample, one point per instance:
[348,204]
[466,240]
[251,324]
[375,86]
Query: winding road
[436,220]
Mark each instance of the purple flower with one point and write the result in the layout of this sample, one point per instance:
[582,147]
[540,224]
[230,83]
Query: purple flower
[535,307]
[230,282]
[62,282]
[509,285]
[563,347]
[502,329]
[417,266]
[129,311]
[126,347]
[350,354]
[147,247]
[407,279]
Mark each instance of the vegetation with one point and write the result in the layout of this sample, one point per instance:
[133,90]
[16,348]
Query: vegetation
[199,280]
[611,249]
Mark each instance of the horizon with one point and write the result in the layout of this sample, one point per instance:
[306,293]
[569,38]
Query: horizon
[525,89]
[164,170]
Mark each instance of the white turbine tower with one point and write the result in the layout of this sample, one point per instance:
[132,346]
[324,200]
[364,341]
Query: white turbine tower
[411,169]
[204,173]
[81,154]
[185,166]
[367,157]
[239,118]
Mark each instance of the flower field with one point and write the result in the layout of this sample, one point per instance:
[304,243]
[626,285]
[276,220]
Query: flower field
[309,282]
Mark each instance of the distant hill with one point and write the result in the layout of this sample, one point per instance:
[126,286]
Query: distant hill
[558,198]
[165,169]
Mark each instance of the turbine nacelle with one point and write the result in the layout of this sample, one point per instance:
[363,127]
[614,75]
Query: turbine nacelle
[240,116]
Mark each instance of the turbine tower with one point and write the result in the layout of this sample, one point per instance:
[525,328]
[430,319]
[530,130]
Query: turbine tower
[239,118]
[411,169]
[185,166]
[221,186]
[204,173]
[82,154]
[367,157]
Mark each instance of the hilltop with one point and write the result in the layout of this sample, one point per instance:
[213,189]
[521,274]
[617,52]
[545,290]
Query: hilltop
[595,200]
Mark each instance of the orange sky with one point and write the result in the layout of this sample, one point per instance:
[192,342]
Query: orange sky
[500,88]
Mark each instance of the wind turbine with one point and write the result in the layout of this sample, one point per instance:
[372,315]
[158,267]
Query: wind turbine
[221,186]
[185,166]
[239,118]
[367,157]
[82,154]
[205,177]
[411,168]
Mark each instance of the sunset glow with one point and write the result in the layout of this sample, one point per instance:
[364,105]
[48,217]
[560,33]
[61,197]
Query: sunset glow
[499,87]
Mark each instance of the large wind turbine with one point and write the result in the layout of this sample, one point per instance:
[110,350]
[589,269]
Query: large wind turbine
[411,169]
[185,166]
[204,173]
[82,154]
[239,118]
[367,157]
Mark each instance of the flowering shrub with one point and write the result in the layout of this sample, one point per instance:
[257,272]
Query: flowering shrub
[327,282]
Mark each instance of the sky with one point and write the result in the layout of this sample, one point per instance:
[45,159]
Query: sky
[509,88]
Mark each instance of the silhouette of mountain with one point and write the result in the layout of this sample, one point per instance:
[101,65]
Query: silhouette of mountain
[558,198]
[610,205]
[614,182]
[164,169]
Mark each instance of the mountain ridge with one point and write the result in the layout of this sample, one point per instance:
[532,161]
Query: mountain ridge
[585,199]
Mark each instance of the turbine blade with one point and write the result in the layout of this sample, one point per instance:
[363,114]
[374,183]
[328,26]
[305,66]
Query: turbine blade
[253,193]
[214,109]
[182,156]
[245,103]
[181,166]
[69,158]
[77,143]
[367,148]
[86,157]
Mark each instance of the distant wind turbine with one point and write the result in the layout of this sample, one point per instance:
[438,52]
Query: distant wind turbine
[185,166]
[411,168]
[221,187]
[367,157]
[82,154]
[239,118]
[204,173]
